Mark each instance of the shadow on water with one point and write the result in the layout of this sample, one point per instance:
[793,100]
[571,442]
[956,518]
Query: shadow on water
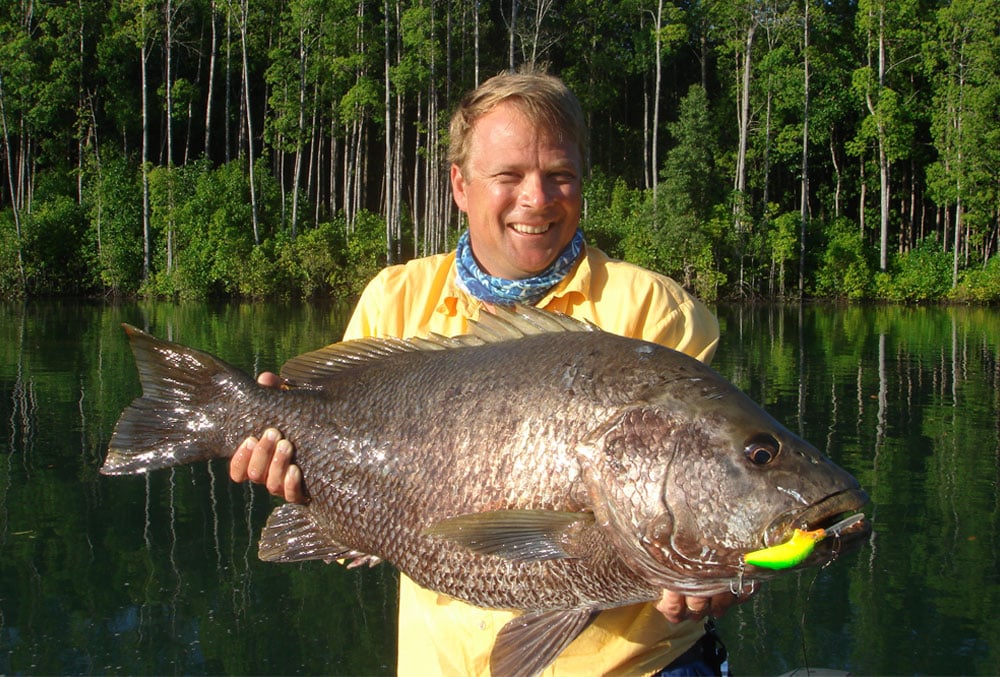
[159,574]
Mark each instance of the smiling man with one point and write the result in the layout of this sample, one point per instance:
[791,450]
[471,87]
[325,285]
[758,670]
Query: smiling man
[518,152]
[519,184]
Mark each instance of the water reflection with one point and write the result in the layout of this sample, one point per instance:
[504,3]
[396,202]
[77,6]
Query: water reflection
[905,398]
[159,574]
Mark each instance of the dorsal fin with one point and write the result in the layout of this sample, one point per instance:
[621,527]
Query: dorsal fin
[514,322]
[505,324]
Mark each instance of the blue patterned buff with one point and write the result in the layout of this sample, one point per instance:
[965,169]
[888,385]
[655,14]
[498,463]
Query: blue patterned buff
[499,291]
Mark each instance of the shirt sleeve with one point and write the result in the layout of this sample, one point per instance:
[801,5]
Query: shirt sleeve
[636,302]
[682,322]
[365,317]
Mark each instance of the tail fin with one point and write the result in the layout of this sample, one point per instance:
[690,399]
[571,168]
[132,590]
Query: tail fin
[178,418]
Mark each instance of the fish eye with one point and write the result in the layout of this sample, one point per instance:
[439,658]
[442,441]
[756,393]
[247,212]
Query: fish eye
[761,449]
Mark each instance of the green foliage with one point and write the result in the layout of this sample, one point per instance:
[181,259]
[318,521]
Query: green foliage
[845,265]
[366,250]
[11,284]
[921,274]
[72,78]
[332,260]
[980,285]
[112,241]
[783,241]
[317,257]
[51,239]
[678,233]
[203,225]
[612,210]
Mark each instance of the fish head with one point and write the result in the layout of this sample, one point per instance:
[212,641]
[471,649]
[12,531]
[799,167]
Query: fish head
[697,475]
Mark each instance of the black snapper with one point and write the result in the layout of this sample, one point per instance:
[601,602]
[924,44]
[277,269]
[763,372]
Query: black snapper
[536,464]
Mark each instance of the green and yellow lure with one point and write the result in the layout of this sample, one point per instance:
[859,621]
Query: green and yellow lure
[798,547]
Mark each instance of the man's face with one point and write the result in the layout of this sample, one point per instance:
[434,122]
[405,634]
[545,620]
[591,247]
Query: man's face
[521,192]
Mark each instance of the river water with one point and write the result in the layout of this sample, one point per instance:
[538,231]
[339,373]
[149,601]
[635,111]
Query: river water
[159,575]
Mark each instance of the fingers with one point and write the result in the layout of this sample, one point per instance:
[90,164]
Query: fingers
[261,454]
[672,606]
[697,608]
[241,460]
[293,485]
[677,607]
[269,379]
[268,461]
[275,465]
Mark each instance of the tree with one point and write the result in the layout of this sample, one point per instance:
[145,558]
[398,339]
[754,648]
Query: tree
[668,32]
[891,33]
[964,68]
[691,188]
[15,210]
[142,27]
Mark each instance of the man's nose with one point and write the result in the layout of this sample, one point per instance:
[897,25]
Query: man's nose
[535,190]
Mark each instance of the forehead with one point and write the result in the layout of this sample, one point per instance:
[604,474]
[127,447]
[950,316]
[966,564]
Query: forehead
[506,134]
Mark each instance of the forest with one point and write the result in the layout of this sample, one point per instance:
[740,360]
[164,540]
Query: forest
[751,149]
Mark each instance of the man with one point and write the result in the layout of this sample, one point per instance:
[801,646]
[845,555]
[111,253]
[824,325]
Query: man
[518,146]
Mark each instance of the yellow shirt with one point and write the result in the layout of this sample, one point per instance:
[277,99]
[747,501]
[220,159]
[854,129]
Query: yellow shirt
[439,635]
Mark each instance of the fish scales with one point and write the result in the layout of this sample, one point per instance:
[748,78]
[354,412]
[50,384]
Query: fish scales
[538,464]
[533,467]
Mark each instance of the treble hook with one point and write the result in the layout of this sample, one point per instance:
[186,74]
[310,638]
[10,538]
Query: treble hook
[736,585]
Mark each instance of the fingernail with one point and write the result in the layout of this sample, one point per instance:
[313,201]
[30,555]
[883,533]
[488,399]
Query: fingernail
[272,434]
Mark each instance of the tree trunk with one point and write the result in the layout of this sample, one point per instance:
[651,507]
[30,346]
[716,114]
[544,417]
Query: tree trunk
[299,141]
[144,86]
[244,28]
[168,43]
[743,119]
[838,177]
[388,180]
[743,113]
[13,190]
[227,112]
[211,79]
[510,35]
[654,162]
[804,185]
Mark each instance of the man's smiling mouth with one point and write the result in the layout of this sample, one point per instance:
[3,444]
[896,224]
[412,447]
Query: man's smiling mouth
[529,229]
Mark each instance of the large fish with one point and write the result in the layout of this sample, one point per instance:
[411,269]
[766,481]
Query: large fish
[537,464]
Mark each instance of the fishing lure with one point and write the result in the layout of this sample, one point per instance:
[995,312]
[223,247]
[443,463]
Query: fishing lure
[798,547]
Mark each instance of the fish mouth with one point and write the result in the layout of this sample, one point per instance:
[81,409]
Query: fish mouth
[822,514]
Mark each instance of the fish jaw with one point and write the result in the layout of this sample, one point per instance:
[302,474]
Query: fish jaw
[818,516]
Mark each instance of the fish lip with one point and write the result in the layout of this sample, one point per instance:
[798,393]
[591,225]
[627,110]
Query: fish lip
[820,514]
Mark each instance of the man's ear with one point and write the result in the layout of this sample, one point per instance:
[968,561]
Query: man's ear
[458,189]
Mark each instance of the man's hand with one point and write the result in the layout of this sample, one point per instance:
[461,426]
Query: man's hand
[268,460]
[677,607]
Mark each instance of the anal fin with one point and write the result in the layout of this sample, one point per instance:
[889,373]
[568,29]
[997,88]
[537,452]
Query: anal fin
[292,534]
[528,643]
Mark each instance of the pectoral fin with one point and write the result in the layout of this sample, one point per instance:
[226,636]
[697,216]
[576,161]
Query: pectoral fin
[517,535]
[528,643]
[292,534]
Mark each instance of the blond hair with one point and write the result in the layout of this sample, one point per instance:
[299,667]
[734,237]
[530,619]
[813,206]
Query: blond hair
[543,99]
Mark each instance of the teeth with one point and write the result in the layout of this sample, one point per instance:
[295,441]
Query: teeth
[530,230]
